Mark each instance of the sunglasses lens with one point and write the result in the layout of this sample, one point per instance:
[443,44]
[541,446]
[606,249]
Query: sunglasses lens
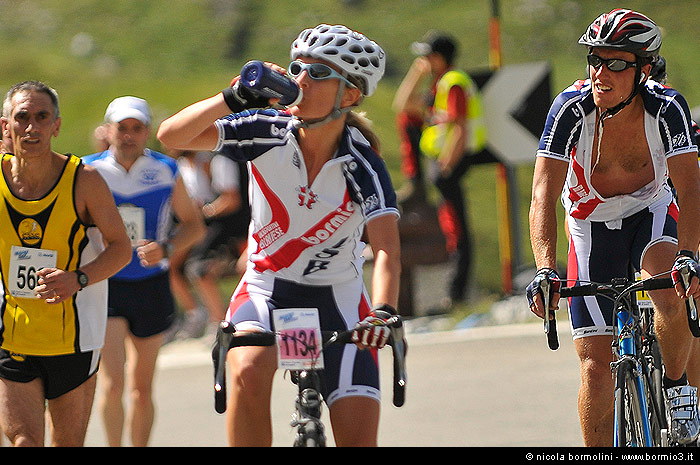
[315,70]
[613,64]
[319,71]
[616,65]
[594,61]
[294,68]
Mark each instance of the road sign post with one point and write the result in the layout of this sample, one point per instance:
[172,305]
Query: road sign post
[513,98]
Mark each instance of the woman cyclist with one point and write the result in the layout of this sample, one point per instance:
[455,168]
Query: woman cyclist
[317,184]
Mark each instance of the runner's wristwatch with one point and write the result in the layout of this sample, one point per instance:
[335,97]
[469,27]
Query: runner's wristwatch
[82,279]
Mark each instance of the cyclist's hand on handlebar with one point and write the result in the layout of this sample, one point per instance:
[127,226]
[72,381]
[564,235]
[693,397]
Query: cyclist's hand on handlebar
[686,265]
[534,291]
[372,331]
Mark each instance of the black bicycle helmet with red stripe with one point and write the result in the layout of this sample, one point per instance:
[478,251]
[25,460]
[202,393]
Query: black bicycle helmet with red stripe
[625,30]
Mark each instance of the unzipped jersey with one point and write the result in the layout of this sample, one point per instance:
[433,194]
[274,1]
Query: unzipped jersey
[569,135]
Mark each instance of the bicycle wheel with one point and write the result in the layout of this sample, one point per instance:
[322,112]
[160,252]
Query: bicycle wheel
[310,437]
[631,422]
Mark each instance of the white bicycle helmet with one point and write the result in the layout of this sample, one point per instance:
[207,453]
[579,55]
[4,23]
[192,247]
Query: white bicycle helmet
[359,57]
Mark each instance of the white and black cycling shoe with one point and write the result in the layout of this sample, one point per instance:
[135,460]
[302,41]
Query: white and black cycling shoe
[683,411]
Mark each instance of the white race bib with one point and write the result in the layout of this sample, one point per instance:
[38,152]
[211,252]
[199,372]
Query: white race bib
[135,222]
[24,263]
[299,339]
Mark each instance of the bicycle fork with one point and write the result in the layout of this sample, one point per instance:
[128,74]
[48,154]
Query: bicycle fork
[627,351]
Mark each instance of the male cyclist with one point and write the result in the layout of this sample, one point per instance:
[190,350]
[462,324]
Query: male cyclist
[609,145]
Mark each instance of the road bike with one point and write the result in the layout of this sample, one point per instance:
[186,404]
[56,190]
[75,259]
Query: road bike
[308,403]
[640,413]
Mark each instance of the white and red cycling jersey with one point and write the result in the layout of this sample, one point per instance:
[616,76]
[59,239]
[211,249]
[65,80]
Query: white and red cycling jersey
[305,241]
[569,135]
[309,234]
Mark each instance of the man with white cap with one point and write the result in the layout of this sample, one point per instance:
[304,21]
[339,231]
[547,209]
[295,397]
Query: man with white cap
[148,190]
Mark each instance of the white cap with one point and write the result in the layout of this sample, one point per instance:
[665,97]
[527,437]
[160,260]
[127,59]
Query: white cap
[122,108]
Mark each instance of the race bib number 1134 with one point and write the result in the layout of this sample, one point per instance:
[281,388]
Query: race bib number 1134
[298,338]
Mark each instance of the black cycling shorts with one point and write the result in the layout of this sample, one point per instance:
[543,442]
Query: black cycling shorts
[599,252]
[146,304]
[58,373]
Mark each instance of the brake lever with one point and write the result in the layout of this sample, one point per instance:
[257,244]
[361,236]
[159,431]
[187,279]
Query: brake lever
[691,307]
[224,335]
[685,274]
[550,326]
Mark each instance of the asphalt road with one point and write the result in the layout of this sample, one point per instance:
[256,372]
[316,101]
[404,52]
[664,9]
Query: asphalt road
[497,386]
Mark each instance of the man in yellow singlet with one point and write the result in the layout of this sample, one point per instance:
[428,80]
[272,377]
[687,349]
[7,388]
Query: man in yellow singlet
[61,237]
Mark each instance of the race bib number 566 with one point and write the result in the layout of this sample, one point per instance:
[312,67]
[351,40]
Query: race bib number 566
[24,263]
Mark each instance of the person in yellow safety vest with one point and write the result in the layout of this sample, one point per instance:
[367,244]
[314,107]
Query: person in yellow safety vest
[434,136]
[446,125]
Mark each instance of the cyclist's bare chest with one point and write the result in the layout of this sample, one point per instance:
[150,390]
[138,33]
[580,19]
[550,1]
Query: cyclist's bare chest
[622,163]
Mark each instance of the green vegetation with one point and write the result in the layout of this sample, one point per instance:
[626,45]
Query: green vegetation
[176,51]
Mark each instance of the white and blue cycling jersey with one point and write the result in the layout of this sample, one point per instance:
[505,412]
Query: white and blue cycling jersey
[143,196]
[309,234]
[569,135]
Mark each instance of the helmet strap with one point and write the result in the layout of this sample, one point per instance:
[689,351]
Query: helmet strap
[335,113]
[610,112]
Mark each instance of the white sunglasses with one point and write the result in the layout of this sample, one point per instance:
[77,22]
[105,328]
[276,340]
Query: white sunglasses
[316,71]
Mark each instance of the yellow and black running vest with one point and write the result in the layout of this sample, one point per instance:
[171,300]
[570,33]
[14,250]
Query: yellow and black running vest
[47,232]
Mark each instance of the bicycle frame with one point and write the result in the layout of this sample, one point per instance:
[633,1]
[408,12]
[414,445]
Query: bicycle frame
[628,342]
[307,416]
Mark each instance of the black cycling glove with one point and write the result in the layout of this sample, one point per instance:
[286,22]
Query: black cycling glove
[534,288]
[238,98]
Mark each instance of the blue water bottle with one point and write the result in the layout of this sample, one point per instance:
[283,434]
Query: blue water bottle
[268,83]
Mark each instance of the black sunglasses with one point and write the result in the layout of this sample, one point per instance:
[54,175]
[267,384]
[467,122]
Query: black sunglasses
[613,64]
